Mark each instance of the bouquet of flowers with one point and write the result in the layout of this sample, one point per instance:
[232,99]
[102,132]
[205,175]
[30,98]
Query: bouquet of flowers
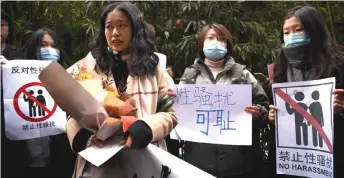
[98,108]
[116,105]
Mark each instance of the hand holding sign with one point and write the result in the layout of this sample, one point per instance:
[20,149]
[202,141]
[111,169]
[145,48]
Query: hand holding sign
[338,100]
[128,142]
[97,142]
[254,110]
[3,60]
[272,112]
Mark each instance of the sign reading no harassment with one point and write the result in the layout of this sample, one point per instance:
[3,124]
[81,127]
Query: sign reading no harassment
[304,123]
[38,109]
[29,110]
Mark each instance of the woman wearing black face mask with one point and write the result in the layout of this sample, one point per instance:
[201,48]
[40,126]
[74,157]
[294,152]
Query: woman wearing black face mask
[216,66]
[309,53]
[45,156]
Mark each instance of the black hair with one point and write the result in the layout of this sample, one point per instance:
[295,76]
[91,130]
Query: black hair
[32,48]
[325,56]
[141,48]
[5,16]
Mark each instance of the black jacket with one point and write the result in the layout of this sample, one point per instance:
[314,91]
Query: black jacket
[9,52]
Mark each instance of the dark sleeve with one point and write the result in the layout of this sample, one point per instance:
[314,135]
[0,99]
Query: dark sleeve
[80,140]
[268,90]
[10,53]
[260,98]
[141,134]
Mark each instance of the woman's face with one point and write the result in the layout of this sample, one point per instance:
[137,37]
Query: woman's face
[212,35]
[48,41]
[118,31]
[291,26]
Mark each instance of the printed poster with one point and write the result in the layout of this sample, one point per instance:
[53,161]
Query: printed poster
[304,128]
[213,114]
[153,162]
[29,110]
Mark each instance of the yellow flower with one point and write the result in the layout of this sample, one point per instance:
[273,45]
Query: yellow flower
[84,76]
[115,94]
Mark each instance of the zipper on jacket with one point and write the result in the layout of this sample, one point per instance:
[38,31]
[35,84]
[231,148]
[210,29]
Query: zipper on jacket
[218,77]
[210,74]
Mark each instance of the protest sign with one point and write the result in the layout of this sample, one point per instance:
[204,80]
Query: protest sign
[304,128]
[153,162]
[29,110]
[213,114]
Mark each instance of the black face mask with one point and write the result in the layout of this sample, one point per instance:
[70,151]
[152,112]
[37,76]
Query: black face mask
[297,55]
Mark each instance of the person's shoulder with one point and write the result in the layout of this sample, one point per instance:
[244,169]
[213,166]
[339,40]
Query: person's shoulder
[10,52]
[198,63]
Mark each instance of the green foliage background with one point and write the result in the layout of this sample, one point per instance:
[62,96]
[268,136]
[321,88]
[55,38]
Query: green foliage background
[254,25]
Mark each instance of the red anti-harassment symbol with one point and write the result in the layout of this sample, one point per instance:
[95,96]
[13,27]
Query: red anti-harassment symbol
[32,98]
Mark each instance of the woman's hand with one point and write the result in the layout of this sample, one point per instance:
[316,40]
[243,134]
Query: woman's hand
[128,142]
[272,111]
[3,60]
[138,135]
[172,94]
[254,110]
[97,142]
[338,103]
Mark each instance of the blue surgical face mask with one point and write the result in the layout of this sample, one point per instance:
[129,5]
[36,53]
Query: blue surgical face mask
[214,50]
[296,39]
[50,54]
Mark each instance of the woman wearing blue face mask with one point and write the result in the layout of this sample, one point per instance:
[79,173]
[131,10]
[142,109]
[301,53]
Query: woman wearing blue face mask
[216,66]
[46,156]
[44,44]
[309,53]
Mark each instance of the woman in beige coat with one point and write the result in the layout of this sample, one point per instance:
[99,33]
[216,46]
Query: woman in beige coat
[123,57]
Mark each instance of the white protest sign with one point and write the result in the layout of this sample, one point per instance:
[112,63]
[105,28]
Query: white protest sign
[304,126]
[162,60]
[29,110]
[153,162]
[213,114]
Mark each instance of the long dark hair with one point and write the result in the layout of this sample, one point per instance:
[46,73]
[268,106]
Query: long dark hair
[143,60]
[32,48]
[325,56]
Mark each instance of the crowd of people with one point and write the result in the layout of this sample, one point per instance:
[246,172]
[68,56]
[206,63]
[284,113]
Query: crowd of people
[124,51]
